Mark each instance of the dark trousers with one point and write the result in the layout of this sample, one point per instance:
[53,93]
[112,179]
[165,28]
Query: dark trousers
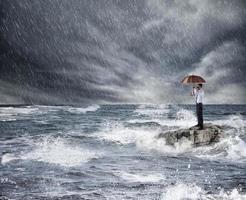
[199,113]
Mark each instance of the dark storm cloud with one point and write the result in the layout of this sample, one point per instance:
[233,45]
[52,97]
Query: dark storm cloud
[120,51]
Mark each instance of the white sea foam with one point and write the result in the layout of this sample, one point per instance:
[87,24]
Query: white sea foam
[116,132]
[18,110]
[143,178]
[229,147]
[144,139]
[58,151]
[182,191]
[54,151]
[234,121]
[8,157]
[232,195]
[14,113]
[159,145]
[80,110]
[6,114]
[7,119]
[236,149]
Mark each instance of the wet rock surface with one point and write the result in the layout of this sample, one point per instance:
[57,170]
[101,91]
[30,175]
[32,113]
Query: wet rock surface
[210,134]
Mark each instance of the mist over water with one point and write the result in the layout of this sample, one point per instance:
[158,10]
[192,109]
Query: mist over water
[112,152]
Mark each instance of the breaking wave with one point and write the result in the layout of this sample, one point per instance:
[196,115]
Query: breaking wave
[12,113]
[54,151]
[8,157]
[81,110]
[181,191]
[231,145]
[143,138]
[233,121]
[118,133]
[15,113]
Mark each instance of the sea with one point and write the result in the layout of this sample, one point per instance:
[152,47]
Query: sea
[113,152]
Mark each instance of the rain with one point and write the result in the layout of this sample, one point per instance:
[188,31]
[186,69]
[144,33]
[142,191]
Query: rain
[58,52]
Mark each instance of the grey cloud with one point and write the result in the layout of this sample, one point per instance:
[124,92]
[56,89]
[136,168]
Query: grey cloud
[119,51]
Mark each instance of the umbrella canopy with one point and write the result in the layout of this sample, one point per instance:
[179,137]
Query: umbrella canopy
[193,79]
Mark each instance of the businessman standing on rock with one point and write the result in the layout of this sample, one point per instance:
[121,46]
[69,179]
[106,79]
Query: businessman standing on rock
[199,95]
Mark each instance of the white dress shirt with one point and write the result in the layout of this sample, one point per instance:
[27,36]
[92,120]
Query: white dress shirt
[199,95]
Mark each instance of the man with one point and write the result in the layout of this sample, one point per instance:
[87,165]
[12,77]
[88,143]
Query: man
[199,96]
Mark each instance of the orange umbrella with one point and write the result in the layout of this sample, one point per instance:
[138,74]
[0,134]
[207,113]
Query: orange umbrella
[193,79]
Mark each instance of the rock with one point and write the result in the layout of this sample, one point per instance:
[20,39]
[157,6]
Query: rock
[210,134]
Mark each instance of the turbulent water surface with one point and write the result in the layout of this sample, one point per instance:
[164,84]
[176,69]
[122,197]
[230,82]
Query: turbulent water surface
[112,152]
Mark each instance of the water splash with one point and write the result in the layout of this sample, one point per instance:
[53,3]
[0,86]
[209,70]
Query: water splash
[56,151]
[182,191]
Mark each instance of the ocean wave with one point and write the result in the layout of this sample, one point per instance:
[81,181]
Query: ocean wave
[181,191]
[232,144]
[8,157]
[230,147]
[159,145]
[81,110]
[54,151]
[7,118]
[15,113]
[233,121]
[145,139]
[118,133]
[58,151]
[17,110]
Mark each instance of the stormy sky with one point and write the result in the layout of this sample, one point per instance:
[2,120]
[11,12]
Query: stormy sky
[108,51]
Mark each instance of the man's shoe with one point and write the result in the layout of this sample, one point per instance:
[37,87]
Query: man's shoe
[200,128]
[197,125]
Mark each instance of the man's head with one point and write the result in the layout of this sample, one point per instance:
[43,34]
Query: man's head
[199,86]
